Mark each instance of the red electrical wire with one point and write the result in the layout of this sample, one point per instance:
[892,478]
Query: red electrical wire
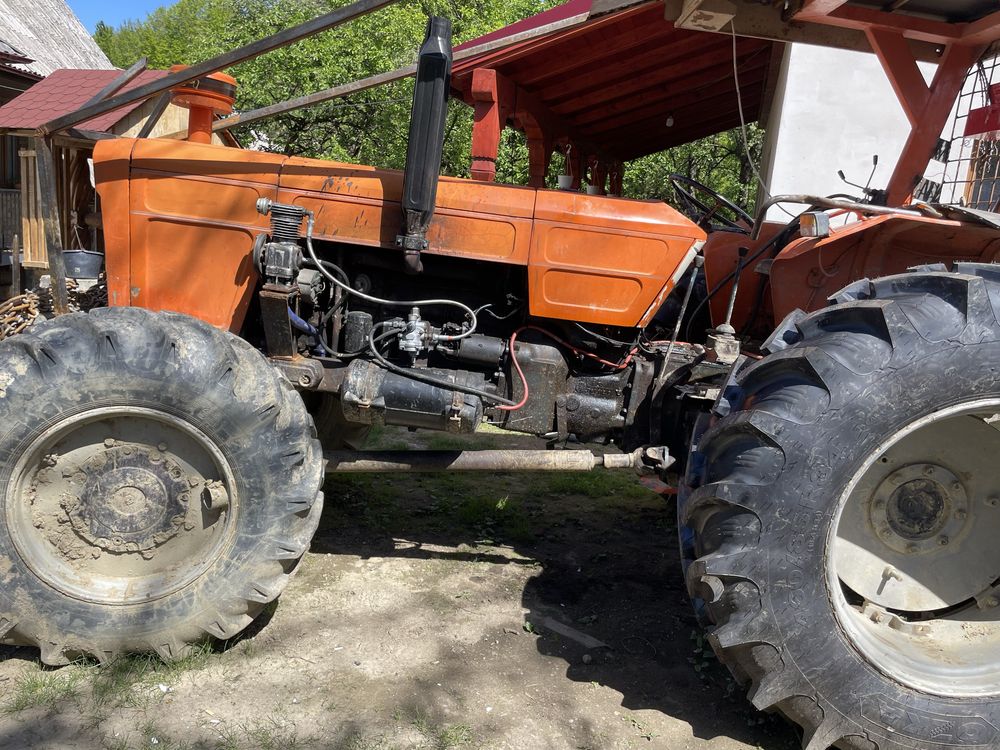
[520,372]
[524,381]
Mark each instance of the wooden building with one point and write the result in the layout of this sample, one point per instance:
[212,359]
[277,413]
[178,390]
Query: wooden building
[60,93]
[36,38]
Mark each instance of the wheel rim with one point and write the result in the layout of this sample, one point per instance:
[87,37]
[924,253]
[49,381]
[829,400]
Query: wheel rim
[913,565]
[121,505]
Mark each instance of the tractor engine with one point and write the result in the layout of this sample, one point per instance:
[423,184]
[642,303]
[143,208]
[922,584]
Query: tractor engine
[446,349]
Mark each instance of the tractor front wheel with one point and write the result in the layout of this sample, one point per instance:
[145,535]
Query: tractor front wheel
[159,482]
[845,506]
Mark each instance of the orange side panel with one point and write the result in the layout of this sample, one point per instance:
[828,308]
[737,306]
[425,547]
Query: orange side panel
[721,253]
[180,221]
[602,260]
[111,170]
[360,204]
[192,216]
[808,270]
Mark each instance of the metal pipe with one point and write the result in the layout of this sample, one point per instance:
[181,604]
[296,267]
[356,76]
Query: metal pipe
[406,71]
[226,59]
[487,460]
[820,202]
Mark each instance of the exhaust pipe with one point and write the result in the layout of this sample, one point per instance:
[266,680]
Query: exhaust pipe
[423,151]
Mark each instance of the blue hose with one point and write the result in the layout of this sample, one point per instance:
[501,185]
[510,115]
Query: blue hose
[306,327]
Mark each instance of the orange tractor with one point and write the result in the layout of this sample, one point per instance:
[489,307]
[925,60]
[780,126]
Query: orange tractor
[828,400]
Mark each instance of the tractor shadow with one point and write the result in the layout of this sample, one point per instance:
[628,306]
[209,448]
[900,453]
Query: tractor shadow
[604,563]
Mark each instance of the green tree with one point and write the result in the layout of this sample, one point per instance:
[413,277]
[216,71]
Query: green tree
[371,127]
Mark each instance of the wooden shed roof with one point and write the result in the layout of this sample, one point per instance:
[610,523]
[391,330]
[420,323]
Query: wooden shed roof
[629,82]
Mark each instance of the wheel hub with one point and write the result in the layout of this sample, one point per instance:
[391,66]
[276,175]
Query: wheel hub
[133,499]
[918,508]
[914,563]
[108,505]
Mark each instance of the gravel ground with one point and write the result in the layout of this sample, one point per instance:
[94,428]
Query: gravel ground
[437,611]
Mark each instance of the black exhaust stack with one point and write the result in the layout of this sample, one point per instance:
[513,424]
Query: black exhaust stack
[423,152]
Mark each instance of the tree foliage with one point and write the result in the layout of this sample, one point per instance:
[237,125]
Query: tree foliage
[370,127]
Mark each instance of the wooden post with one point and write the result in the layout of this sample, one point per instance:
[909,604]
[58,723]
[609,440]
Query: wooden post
[50,216]
[494,97]
[15,267]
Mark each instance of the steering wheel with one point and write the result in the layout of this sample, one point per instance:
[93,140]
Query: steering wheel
[706,208]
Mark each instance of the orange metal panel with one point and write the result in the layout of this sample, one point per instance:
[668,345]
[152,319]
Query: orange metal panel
[808,270]
[191,220]
[181,218]
[360,205]
[111,171]
[603,260]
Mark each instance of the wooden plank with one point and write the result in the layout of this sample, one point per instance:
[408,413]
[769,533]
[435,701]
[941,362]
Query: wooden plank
[33,237]
[49,209]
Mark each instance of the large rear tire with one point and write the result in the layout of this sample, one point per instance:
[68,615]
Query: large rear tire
[159,482]
[844,504]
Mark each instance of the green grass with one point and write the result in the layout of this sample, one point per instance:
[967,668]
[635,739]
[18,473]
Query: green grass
[45,689]
[130,681]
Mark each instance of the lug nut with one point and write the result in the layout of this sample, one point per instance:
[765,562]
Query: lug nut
[943,541]
[990,602]
[161,447]
[993,501]
[928,470]
[960,514]
[912,548]
[109,442]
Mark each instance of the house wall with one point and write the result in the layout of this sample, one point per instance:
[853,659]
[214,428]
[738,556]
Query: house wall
[172,123]
[833,109]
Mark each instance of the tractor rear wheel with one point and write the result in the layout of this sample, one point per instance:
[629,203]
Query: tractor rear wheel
[159,482]
[845,506]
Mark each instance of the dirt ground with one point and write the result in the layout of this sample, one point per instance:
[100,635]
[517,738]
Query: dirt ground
[436,612]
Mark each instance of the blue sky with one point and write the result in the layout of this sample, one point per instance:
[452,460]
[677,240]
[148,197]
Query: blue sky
[112,12]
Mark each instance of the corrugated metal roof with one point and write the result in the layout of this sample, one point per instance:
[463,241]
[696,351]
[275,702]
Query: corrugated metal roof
[48,32]
[64,91]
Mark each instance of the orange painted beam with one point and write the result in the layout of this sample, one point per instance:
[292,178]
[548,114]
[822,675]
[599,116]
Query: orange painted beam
[493,97]
[931,119]
[907,81]
[811,8]
[983,31]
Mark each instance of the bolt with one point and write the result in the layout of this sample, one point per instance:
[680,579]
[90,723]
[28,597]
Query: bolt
[928,470]
[305,380]
[956,486]
[885,531]
[161,447]
[990,602]
[993,501]
[189,525]
[943,540]
[961,514]
[95,553]
[911,548]
[879,502]
[109,442]
[147,554]
[127,450]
